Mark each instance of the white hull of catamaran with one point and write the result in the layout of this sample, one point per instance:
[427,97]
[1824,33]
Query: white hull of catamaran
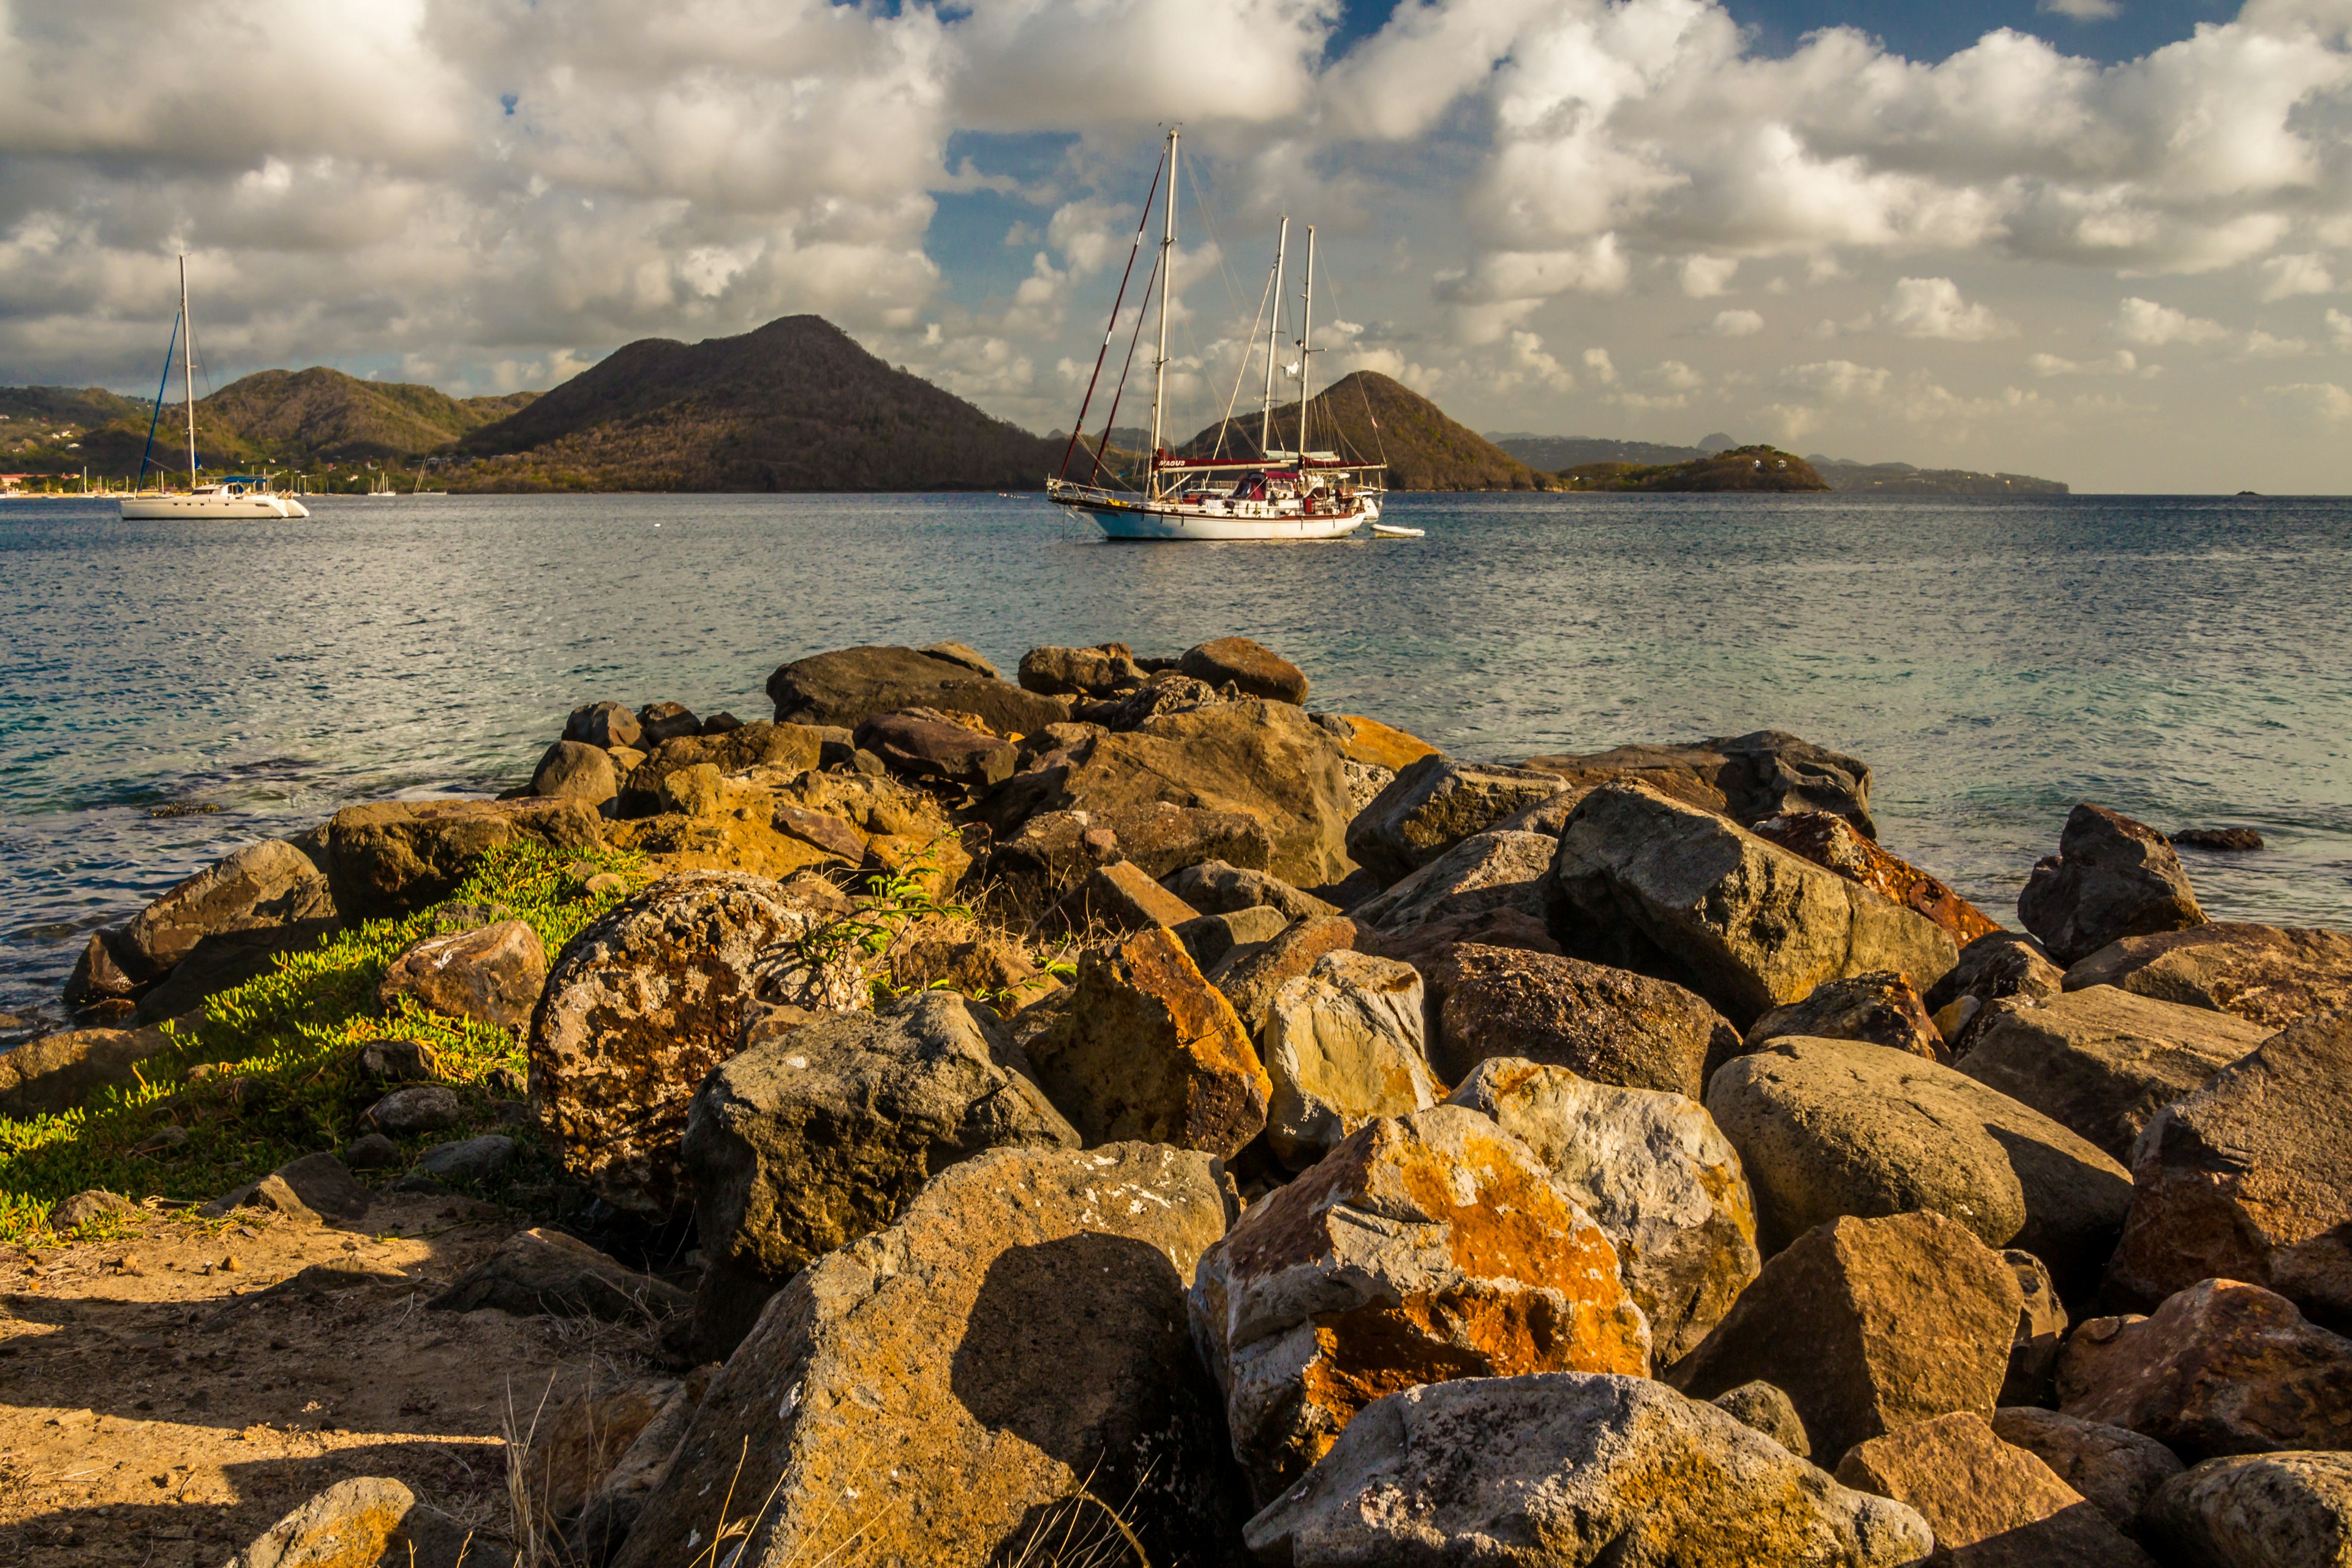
[1139,520]
[152,508]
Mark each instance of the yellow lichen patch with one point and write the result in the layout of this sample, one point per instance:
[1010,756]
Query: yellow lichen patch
[1383,745]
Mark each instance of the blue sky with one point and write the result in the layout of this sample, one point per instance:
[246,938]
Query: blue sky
[2080,238]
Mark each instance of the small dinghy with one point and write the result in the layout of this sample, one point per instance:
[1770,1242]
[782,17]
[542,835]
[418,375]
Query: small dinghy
[1395,531]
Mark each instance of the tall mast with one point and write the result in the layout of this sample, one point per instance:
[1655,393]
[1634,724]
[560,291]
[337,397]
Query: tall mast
[1167,287]
[1306,337]
[1272,338]
[187,368]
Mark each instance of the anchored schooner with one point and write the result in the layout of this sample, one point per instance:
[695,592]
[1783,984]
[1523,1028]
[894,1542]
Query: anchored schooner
[1293,492]
[229,496]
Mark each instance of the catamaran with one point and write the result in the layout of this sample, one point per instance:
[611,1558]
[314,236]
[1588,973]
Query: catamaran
[1293,492]
[229,496]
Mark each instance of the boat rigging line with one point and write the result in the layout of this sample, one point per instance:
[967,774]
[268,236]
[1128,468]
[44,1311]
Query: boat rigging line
[1141,312]
[1109,328]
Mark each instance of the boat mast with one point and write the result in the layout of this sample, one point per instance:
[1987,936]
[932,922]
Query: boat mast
[1272,338]
[1160,367]
[1305,336]
[187,369]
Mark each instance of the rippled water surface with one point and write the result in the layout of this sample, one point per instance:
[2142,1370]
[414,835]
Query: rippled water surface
[2189,662]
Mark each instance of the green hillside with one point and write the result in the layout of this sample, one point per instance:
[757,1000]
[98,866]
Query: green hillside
[1739,469]
[1365,415]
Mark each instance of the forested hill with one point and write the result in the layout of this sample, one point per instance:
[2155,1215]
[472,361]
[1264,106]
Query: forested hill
[795,405]
[1367,415]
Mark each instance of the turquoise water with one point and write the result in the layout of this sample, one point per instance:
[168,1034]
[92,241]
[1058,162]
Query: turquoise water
[2187,661]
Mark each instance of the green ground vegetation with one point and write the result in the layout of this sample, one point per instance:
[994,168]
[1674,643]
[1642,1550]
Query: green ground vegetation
[272,1070]
[1737,468]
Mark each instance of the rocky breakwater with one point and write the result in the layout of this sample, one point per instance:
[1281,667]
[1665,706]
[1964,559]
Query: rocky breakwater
[1123,1115]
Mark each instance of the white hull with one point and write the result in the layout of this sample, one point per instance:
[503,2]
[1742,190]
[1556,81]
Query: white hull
[154,509]
[1141,519]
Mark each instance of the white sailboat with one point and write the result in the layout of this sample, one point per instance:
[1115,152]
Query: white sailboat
[232,495]
[1295,493]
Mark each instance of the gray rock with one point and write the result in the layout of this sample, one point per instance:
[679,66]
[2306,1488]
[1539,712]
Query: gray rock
[1828,1128]
[1214,887]
[325,1186]
[2269,975]
[1342,1045]
[1880,1007]
[1248,977]
[2040,1331]
[58,1073]
[661,722]
[647,1000]
[1435,803]
[849,686]
[934,749]
[2266,1510]
[1018,1334]
[1673,890]
[603,725]
[1769,1411]
[370,1152]
[547,1273]
[492,974]
[1209,938]
[801,1144]
[396,856]
[1996,965]
[1565,1469]
[1079,671]
[264,887]
[573,770]
[2116,1469]
[1485,872]
[1610,1025]
[2247,1178]
[91,1207]
[420,1108]
[1766,773]
[373,1521]
[467,1159]
[1652,1170]
[1867,1325]
[1254,670]
[1031,871]
[964,654]
[2103,1061]
[2112,878]
[396,1060]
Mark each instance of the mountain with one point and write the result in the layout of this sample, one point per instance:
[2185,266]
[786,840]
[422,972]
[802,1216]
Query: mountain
[795,405]
[1550,454]
[1903,480]
[1736,468]
[1370,418]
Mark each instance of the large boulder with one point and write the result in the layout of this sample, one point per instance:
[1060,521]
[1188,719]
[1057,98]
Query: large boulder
[546,1272]
[1835,843]
[2116,1470]
[805,1143]
[56,1073]
[1031,871]
[1146,1049]
[1989,1504]
[1373,743]
[2269,975]
[1679,892]
[2249,1178]
[1990,969]
[1343,1045]
[929,1393]
[2222,1367]
[1827,1128]
[932,747]
[1867,1325]
[1765,773]
[1563,1469]
[394,856]
[1248,978]
[1652,1170]
[1216,888]
[367,1520]
[573,770]
[1427,946]
[1109,670]
[1485,872]
[2263,1511]
[267,887]
[1434,803]
[1424,1248]
[2103,1061]
[1881,1008]
[603,725]
[1251,668]
[1609,1024]
[645,1001]
[781,750]
[849,686]
[1265,760]
[2112,878]
[492,974]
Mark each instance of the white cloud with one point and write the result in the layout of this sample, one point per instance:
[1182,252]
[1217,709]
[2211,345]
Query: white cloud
[2123,362]
[2151,325]
[1839,380]
[1675,373]
[2080,10]
[2260,344]
[2284,276]
[1736,324]
[1604,369]
[2339,329]
[1932,308]
[1704,276]
[2317,402]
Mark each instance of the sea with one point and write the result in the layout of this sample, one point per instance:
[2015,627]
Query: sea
[170,691]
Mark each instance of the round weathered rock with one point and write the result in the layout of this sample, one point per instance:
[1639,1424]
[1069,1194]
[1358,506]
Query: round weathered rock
[2269,974]
[1764,1407]
[263,887]
[603,725]
[492,974]
[2271,1510]
[91,1207]
[1256,669]
[573,770]
[1434,803]
[1609,1025]
[2112,878]
[1880,1007]
[421,1107]
[2117,1469]
[467,1159]
[1343,1045]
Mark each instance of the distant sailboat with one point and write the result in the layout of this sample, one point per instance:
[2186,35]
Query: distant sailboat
[232,495]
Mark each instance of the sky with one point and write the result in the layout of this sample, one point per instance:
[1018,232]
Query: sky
[2104,241]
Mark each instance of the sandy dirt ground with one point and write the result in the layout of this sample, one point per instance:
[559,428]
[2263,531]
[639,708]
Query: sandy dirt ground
[167,1395]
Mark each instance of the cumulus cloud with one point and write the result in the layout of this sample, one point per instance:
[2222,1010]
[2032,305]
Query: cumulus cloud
[1932,308]
[2123,362]
[2339,329]
[2314,401]
[2151,325]
[2080,10]
[1704,276]
[2284,276]
[1838,379]
[1736,324]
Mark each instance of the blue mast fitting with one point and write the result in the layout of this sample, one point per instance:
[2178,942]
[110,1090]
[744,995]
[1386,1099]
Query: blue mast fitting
[157,417]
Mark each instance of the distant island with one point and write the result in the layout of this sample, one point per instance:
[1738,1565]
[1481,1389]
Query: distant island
[798,406]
